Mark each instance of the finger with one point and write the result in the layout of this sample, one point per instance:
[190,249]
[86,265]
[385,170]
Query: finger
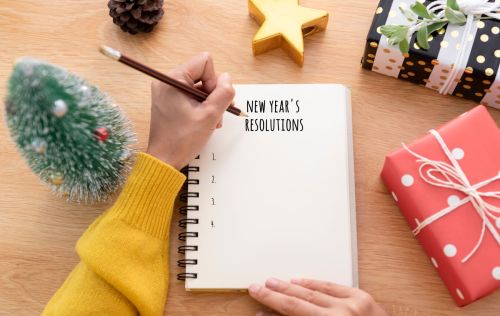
[329,288]
[284,304]
[222,96]
[311,296]
[200,67]
[266,313]
[199,85]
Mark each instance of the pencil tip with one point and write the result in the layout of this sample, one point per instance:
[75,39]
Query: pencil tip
[109,52]
[243,114]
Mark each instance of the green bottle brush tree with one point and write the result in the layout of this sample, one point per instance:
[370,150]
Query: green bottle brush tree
[70,133]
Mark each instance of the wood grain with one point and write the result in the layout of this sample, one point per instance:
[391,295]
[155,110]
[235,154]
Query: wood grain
[38,231]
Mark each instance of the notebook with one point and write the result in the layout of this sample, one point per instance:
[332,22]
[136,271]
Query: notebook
[272,195]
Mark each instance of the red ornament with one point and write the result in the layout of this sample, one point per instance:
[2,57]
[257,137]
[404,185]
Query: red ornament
[101,133]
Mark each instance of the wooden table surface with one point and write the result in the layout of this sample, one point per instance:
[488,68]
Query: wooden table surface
[38,231]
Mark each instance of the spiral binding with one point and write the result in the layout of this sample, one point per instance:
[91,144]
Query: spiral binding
[184,235]
[184,276]
[183,210]
[183,249]
[185,262]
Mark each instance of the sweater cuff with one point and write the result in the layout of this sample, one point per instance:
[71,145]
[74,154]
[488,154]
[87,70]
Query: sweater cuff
[147,199]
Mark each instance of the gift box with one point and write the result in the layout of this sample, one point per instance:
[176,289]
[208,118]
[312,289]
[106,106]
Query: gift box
[447,186]
[461,60]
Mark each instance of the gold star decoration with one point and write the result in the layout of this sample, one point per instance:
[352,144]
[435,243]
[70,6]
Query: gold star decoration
[284,23]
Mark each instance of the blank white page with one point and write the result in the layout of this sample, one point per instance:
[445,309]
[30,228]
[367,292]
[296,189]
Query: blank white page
[276,203]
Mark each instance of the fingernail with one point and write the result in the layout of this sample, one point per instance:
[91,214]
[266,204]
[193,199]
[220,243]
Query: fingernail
[254,288]
[272,283]
[225,76]
[296,280]
[260,313]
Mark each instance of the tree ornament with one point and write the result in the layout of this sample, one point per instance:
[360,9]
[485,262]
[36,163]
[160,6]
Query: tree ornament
[57,179]
[53,124]
[39,145]
[135,16]
[284,23]
[101,133]
[85,90]
[60,108]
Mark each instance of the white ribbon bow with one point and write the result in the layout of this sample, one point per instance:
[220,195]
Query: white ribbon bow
[474,10]
[445,175]
[469,7]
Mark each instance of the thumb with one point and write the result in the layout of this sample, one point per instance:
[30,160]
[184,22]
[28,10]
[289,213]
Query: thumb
[221,97]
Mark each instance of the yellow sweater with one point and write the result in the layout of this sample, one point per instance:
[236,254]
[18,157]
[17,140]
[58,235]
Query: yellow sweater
[124,253]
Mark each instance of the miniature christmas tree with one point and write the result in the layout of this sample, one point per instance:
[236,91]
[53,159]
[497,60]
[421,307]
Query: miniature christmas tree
[70,133]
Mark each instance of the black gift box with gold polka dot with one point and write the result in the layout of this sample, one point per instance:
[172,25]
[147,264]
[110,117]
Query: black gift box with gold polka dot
[458,63]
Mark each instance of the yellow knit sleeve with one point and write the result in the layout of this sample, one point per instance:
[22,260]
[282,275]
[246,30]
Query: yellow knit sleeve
[124,253]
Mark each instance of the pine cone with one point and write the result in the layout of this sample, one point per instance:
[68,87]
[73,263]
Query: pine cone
[136,16]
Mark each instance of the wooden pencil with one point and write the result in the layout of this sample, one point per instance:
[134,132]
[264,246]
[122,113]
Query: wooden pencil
[197,94]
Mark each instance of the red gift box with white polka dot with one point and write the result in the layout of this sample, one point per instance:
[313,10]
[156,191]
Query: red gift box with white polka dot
[473,140]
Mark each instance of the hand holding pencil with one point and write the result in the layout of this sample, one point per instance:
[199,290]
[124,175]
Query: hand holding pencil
[180,124]
[187,88]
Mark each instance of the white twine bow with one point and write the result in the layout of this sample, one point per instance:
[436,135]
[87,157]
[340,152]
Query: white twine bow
[474,10]
[445,175]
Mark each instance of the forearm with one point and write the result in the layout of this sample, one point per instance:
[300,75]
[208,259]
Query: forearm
[124,253]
